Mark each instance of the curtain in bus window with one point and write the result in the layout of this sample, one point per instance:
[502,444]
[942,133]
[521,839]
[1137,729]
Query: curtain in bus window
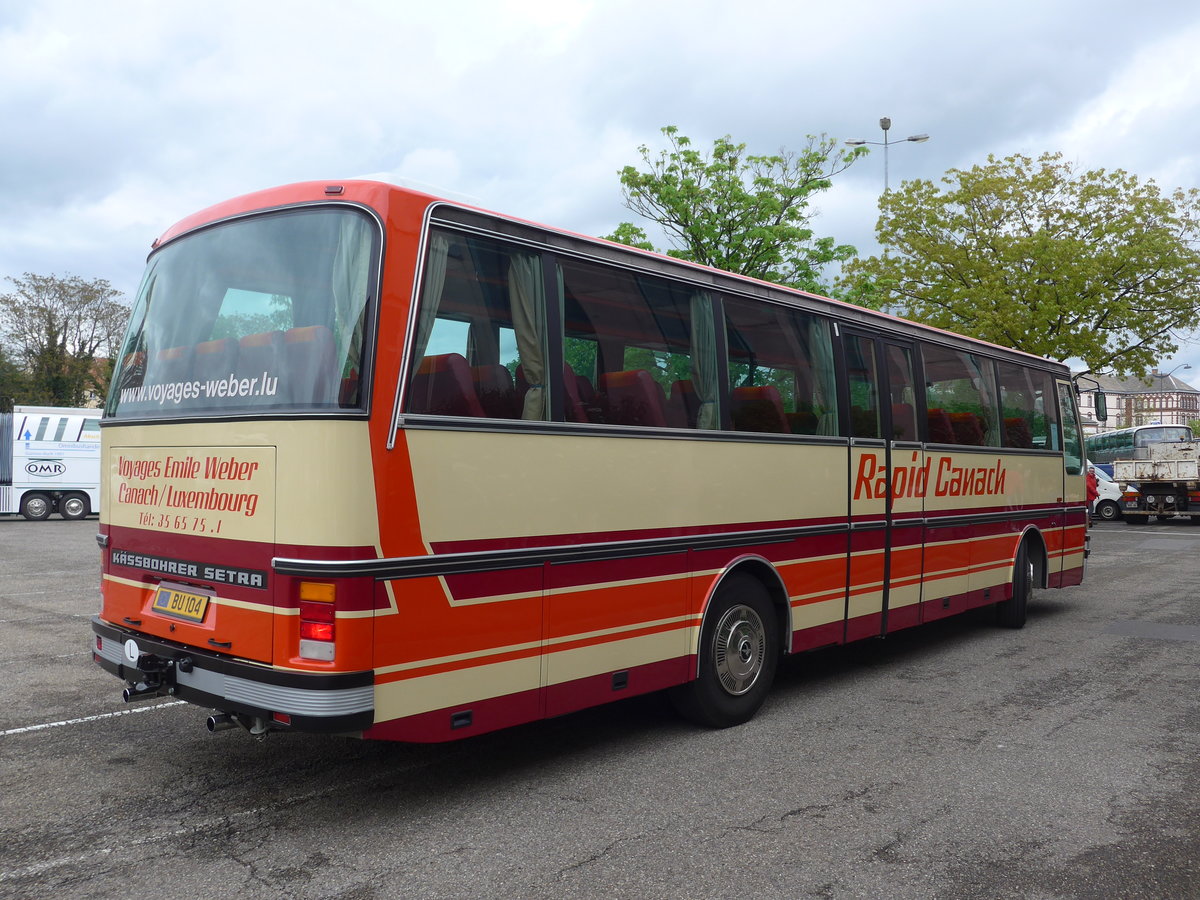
[349,279]
[704,361]
[528,292]
[821,347]
[431,294]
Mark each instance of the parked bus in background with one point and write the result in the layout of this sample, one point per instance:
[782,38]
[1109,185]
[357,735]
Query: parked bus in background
[50,462]
[1106,447]
[382,464]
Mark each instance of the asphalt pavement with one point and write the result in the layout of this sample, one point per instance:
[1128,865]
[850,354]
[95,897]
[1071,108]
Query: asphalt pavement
[958,760]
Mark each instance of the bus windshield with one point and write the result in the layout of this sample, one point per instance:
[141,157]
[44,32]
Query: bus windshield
[1147,436]
[267,313]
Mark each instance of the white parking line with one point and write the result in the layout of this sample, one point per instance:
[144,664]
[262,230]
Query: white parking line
[96,718]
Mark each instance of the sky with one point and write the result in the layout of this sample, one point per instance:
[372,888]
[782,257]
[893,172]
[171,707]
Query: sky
[120,118]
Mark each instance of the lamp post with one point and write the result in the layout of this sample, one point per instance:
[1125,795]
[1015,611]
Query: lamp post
[886,124]
[1162,378]
[1162,389]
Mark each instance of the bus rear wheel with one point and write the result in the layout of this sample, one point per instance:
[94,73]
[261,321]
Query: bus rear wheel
[739,651]
[74,506]
[1011,613]
[36,507]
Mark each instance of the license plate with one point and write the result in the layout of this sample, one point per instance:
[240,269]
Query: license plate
[181,604]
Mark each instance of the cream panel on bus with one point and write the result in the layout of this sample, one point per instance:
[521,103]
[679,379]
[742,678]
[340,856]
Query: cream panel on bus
[479,485]
[411,696]
[304,482]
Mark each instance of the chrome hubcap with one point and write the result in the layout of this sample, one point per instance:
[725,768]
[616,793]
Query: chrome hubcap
[739,648]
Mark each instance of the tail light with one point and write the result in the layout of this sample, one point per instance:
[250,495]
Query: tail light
[317,620]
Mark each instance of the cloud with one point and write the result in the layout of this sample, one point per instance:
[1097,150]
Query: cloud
[122,119]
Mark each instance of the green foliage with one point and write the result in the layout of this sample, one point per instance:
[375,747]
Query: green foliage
[13,383]
[737,211]
[61,334]
[1035,255]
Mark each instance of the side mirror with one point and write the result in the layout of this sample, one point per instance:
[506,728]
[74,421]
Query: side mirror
[1101,406]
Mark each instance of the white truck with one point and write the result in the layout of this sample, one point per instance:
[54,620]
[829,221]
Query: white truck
[50,462]
[1168,478]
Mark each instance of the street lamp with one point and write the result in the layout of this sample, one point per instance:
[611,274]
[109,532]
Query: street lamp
[1163,378]
[885,123]
[1162,389]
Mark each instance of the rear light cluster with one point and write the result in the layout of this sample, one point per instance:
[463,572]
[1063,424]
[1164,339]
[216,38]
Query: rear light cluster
[317,620]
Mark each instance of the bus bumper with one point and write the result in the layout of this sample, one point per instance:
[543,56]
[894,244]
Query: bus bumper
[279,699]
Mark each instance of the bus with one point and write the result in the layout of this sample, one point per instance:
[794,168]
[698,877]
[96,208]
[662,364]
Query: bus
[381,464]
[1106,447]
[50,462]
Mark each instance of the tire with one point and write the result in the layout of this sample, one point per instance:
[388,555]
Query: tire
[36,507]
[1011,613]
[739,651]
[1108,510]
[74,506]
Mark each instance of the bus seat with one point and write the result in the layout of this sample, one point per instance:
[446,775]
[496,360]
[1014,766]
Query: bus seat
[968,428]
[574,409]
[443,387]
[940,430]
[576,387]
[904,422]
[496,392]
[588,399]
[309,354]
[683,406]
[171,365]
[215,359]
[260,356]
[1017,433]
[758,409]
[632,397]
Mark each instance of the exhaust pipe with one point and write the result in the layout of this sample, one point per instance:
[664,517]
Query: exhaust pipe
[140,691]
[221,722]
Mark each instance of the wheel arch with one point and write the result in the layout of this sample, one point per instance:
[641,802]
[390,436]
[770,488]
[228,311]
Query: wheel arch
[762,571]
[1032,537]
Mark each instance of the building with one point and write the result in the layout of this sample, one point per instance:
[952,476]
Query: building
[1155,399]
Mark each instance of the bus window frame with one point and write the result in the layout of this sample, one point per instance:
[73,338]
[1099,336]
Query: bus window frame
[370,325]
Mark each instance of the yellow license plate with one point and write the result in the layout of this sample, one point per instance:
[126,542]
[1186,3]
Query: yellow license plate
[181,604]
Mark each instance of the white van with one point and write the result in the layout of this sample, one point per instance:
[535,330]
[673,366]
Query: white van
[1108,504]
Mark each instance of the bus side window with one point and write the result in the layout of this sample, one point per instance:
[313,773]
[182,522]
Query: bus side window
[481,327]
[958,394]
[638,350]
[781,376]
[1025,397]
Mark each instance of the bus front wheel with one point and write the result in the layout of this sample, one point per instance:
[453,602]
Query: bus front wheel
[739,650]
[36,507]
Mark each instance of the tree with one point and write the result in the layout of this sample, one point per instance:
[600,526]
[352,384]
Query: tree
[737,211]
[12,382]
[63,333]
[1038,256]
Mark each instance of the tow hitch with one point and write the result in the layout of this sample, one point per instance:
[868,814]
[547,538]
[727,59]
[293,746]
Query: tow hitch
[158,673]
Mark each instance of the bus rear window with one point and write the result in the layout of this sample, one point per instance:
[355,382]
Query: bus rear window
[259,314]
